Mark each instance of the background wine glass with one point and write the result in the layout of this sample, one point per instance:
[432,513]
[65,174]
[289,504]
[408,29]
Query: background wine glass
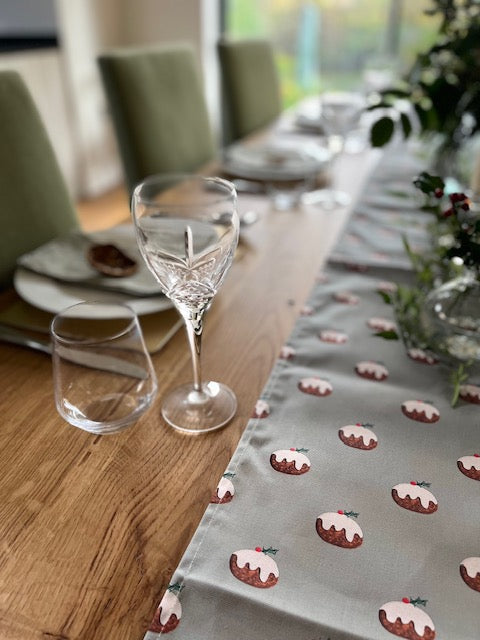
[339,113]
[187,232]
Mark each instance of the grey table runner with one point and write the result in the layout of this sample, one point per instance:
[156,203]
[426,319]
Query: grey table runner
[350,509]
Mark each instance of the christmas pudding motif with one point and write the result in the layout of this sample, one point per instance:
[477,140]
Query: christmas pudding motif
[262,409]
[470,393]
[287,353]
[225,490]
[405,619]
[255,567]
[420,411]
[470,466]
[315,386]
[306,310]
[371,370]
[385,286]
[470,572]
[358,436]
[345,297]
[169,611]
[419,355]
[339,528]
[332,336]
[381,324]
[292,461]
[415,497]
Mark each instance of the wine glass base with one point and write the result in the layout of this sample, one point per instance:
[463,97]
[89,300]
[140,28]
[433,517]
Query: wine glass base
[193,411]
[327,198]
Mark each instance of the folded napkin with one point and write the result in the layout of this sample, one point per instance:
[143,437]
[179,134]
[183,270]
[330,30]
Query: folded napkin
[65,258]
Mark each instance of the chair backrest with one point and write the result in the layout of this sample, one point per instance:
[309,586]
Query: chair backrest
[250,86]
[35,205]
[158,109]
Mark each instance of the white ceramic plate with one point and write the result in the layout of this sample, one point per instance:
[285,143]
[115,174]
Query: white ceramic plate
[53,296]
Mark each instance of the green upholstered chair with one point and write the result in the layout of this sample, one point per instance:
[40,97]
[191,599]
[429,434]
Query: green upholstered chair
[35,205]
[158,109]
[250,86]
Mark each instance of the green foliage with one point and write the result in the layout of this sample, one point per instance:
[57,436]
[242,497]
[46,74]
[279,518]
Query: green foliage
[443,84]
[457,378]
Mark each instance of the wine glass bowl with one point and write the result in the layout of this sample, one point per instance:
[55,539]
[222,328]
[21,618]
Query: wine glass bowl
[187,231]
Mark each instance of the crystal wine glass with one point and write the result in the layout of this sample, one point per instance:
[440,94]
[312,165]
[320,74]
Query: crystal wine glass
[339,113]
[187,232]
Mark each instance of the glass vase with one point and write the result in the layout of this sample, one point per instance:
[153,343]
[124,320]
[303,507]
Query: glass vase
[450,319]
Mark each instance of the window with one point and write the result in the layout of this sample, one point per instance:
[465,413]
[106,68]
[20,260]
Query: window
[335,44]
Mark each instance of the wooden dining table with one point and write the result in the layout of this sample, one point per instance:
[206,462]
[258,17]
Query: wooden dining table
[92,527]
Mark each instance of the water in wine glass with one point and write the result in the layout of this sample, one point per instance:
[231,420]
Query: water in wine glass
[190,258]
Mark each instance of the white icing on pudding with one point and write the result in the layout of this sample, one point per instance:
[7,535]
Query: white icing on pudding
[287,455]
[470,390]
[421,407]
[287,352]
[470,462]
[330,335]
[421,356]
[225,485]
[340,521]
[372,368]
[257,560]
[261,407]
[170,605]
[407,613]
[405,489]
[346,297]
[323,386]
[472,566]
[381,324]
[357,431]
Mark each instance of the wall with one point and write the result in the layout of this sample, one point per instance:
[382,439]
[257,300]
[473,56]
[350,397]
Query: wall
[65,82]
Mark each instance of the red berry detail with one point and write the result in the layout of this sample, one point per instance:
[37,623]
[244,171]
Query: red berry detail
[358,424]
[406,600]
[465,206]
[292,449]
[258,549]
[476,455]
[413,482]
[340,512]
[438,193]
[448,213]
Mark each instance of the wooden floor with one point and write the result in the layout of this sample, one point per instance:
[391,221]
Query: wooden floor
[105,211]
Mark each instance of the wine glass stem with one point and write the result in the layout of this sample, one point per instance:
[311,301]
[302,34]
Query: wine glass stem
[194,326]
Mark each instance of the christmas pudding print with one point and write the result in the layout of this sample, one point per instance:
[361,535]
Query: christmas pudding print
[470,466]
[287,353]
[255,567]
[415,496]
[358,436]
[381,324]
[332,336]
[345,297]
[371,370]
[420,411]
[315,386]
[385,286]
[261,410]
[292,461]
[307,310]
[470,572]
[339,528]
[169,611]
[419,355]
[405,619]
[225,490]
[470,393]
